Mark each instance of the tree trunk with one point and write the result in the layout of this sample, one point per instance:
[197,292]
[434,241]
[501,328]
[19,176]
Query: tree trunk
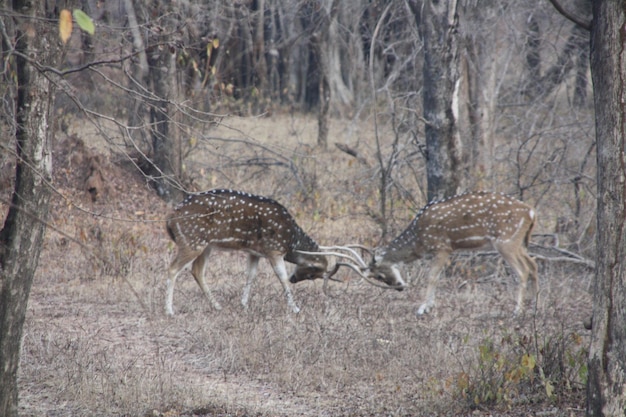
[482,100]
[583,8]
[480,64]
[157,73]
[343,99]
[533,55]
[166,156]
[23,231]
[259,63]
[320,41]
[607,353]
[555,75]
[323,117]
[438,27]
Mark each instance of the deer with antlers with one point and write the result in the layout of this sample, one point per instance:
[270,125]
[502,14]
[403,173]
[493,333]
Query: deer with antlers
[470,221]
[234,220]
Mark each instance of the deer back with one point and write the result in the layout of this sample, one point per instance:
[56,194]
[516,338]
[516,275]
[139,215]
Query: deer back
[236,220]
[463,222]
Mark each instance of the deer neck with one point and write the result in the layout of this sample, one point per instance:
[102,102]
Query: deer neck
[301,242]
[405,248]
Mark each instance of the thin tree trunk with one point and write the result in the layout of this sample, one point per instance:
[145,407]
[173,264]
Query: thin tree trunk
[323,115]
[164,138]
[482,111]
[321,46]
[438,27]
[607,353]
[582,65]
[157,73]
[479,73]
[258,51]
[533,56]
[341,94]
[22,234]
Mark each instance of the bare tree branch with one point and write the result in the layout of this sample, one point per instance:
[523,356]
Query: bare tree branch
[578,21]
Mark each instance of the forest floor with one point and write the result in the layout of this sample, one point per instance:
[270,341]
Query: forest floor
[97,341]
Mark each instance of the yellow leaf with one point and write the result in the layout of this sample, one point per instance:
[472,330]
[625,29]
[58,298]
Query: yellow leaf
[216,43]
[528,361]
[65,25]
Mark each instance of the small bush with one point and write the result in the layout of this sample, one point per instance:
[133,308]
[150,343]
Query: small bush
[518,370]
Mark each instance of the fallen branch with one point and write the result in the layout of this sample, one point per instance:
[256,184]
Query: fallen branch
[352,152]
[564,255]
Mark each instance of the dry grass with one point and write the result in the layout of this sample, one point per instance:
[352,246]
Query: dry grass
[97,341]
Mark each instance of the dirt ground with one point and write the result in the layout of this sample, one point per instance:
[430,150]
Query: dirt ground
[97,341]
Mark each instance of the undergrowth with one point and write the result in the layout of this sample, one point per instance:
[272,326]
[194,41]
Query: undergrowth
[524,368]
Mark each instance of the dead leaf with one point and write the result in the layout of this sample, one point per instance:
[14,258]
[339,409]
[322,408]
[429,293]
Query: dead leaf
[65,25]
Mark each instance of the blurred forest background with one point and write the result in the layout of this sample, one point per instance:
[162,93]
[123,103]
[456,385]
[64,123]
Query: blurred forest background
[159,77]
[353,115]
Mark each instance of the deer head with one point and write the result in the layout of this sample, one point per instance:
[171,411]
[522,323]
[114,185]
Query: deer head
[356,263]
[234,220]
[385,272]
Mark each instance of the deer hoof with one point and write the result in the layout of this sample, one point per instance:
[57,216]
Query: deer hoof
[424,309]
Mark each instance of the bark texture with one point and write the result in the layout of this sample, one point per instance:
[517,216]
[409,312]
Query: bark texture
[607,354]
[438,28]
[22,234]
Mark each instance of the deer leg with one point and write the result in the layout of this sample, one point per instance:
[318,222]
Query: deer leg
[520,265]
[197,269]
[181,261]
[532,274]
[253,263]
[438,264]
[278,263]
[169,298]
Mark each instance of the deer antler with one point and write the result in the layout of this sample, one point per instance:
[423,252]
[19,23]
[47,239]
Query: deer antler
[355,262]
[367,278]
[351,254]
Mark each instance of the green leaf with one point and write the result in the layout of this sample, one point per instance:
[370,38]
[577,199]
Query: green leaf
[84,21]
[582,373]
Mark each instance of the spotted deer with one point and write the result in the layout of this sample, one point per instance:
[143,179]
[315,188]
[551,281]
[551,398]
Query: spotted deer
[469,221]
[234,220]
